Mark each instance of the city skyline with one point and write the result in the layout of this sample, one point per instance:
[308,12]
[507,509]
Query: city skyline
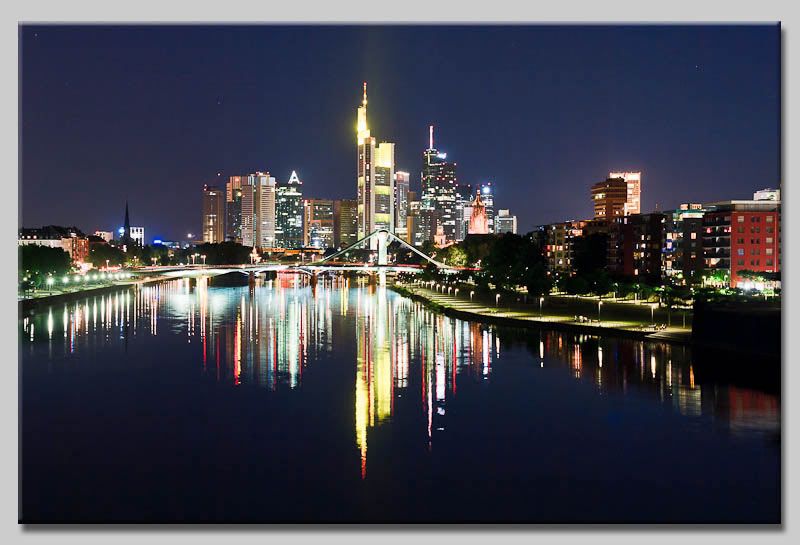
[526,124]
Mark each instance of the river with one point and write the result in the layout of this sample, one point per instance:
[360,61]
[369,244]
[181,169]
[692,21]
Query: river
[189,402]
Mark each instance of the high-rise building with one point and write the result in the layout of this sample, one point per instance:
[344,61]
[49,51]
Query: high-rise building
[319,223]
[258,210]
[609,198]
[504,222]
[213,214]
[633,195]
[487,198]
[439,188]
[289,213]
[478,219]
[421,224]
[375,176]
[401,189]
[233,208]
[463,210]
[345,222]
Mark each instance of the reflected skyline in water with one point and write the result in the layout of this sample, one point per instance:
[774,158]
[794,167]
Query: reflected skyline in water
[271,335]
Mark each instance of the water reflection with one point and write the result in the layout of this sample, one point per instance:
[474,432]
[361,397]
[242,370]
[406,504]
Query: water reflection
[267,336]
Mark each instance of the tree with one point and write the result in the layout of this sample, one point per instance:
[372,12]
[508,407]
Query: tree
[455,256]
[99,254]
[537,281]
[37,262]
[590,253]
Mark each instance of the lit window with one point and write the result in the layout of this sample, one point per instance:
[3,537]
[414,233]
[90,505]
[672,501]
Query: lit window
[694,236]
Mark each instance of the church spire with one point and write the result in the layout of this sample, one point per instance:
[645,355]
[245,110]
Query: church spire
[127,225]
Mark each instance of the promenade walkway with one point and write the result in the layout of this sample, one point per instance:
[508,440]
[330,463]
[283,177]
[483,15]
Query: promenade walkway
[613,316]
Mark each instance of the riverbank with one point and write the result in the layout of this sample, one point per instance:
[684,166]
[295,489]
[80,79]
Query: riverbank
[550,316]
[29,305]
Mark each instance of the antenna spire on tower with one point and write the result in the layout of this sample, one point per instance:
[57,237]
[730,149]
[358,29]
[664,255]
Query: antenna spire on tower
[430,129]
[364,102]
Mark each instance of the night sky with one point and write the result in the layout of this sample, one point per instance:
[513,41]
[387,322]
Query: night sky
[150,114]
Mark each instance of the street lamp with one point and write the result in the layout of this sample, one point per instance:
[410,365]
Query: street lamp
[541,300]
[497,299]
[652,313]
[49,282]
[471,293]
[599,304]
[204,259]
[107,260]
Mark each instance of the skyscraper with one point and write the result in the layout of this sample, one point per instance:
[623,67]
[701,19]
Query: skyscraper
[478,219]
[439,187]
[487,198]
[463,204]
[233,208]
[401,188]
[633,198]
[213,214]
[319,223]
[258,210]
[609,198]
[375,176]
[289,213]
[345,222]
[505,222]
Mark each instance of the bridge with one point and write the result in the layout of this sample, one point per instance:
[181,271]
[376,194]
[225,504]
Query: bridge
[379,240]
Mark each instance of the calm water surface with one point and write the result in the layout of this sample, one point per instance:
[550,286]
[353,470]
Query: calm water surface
[190,402]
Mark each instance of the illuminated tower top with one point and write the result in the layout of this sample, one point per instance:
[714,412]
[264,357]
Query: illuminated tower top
[363,130]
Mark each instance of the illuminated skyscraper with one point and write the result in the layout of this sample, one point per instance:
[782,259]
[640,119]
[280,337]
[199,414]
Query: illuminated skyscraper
[233,208]
[479,219]
[258,210]
[487,198]
[439,188]
[633,200]
[463,209]
[289,213]
[318,223]
[401,188]
[375,175]
[213,215]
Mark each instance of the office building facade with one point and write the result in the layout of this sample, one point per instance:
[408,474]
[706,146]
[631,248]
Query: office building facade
[345,222]
[233,208]
[375,178]
[318,223]
[258,211]
[213,214]
[289,213]
[633,191]
[439,188]
[609,198]
[505,222]
[401,188]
